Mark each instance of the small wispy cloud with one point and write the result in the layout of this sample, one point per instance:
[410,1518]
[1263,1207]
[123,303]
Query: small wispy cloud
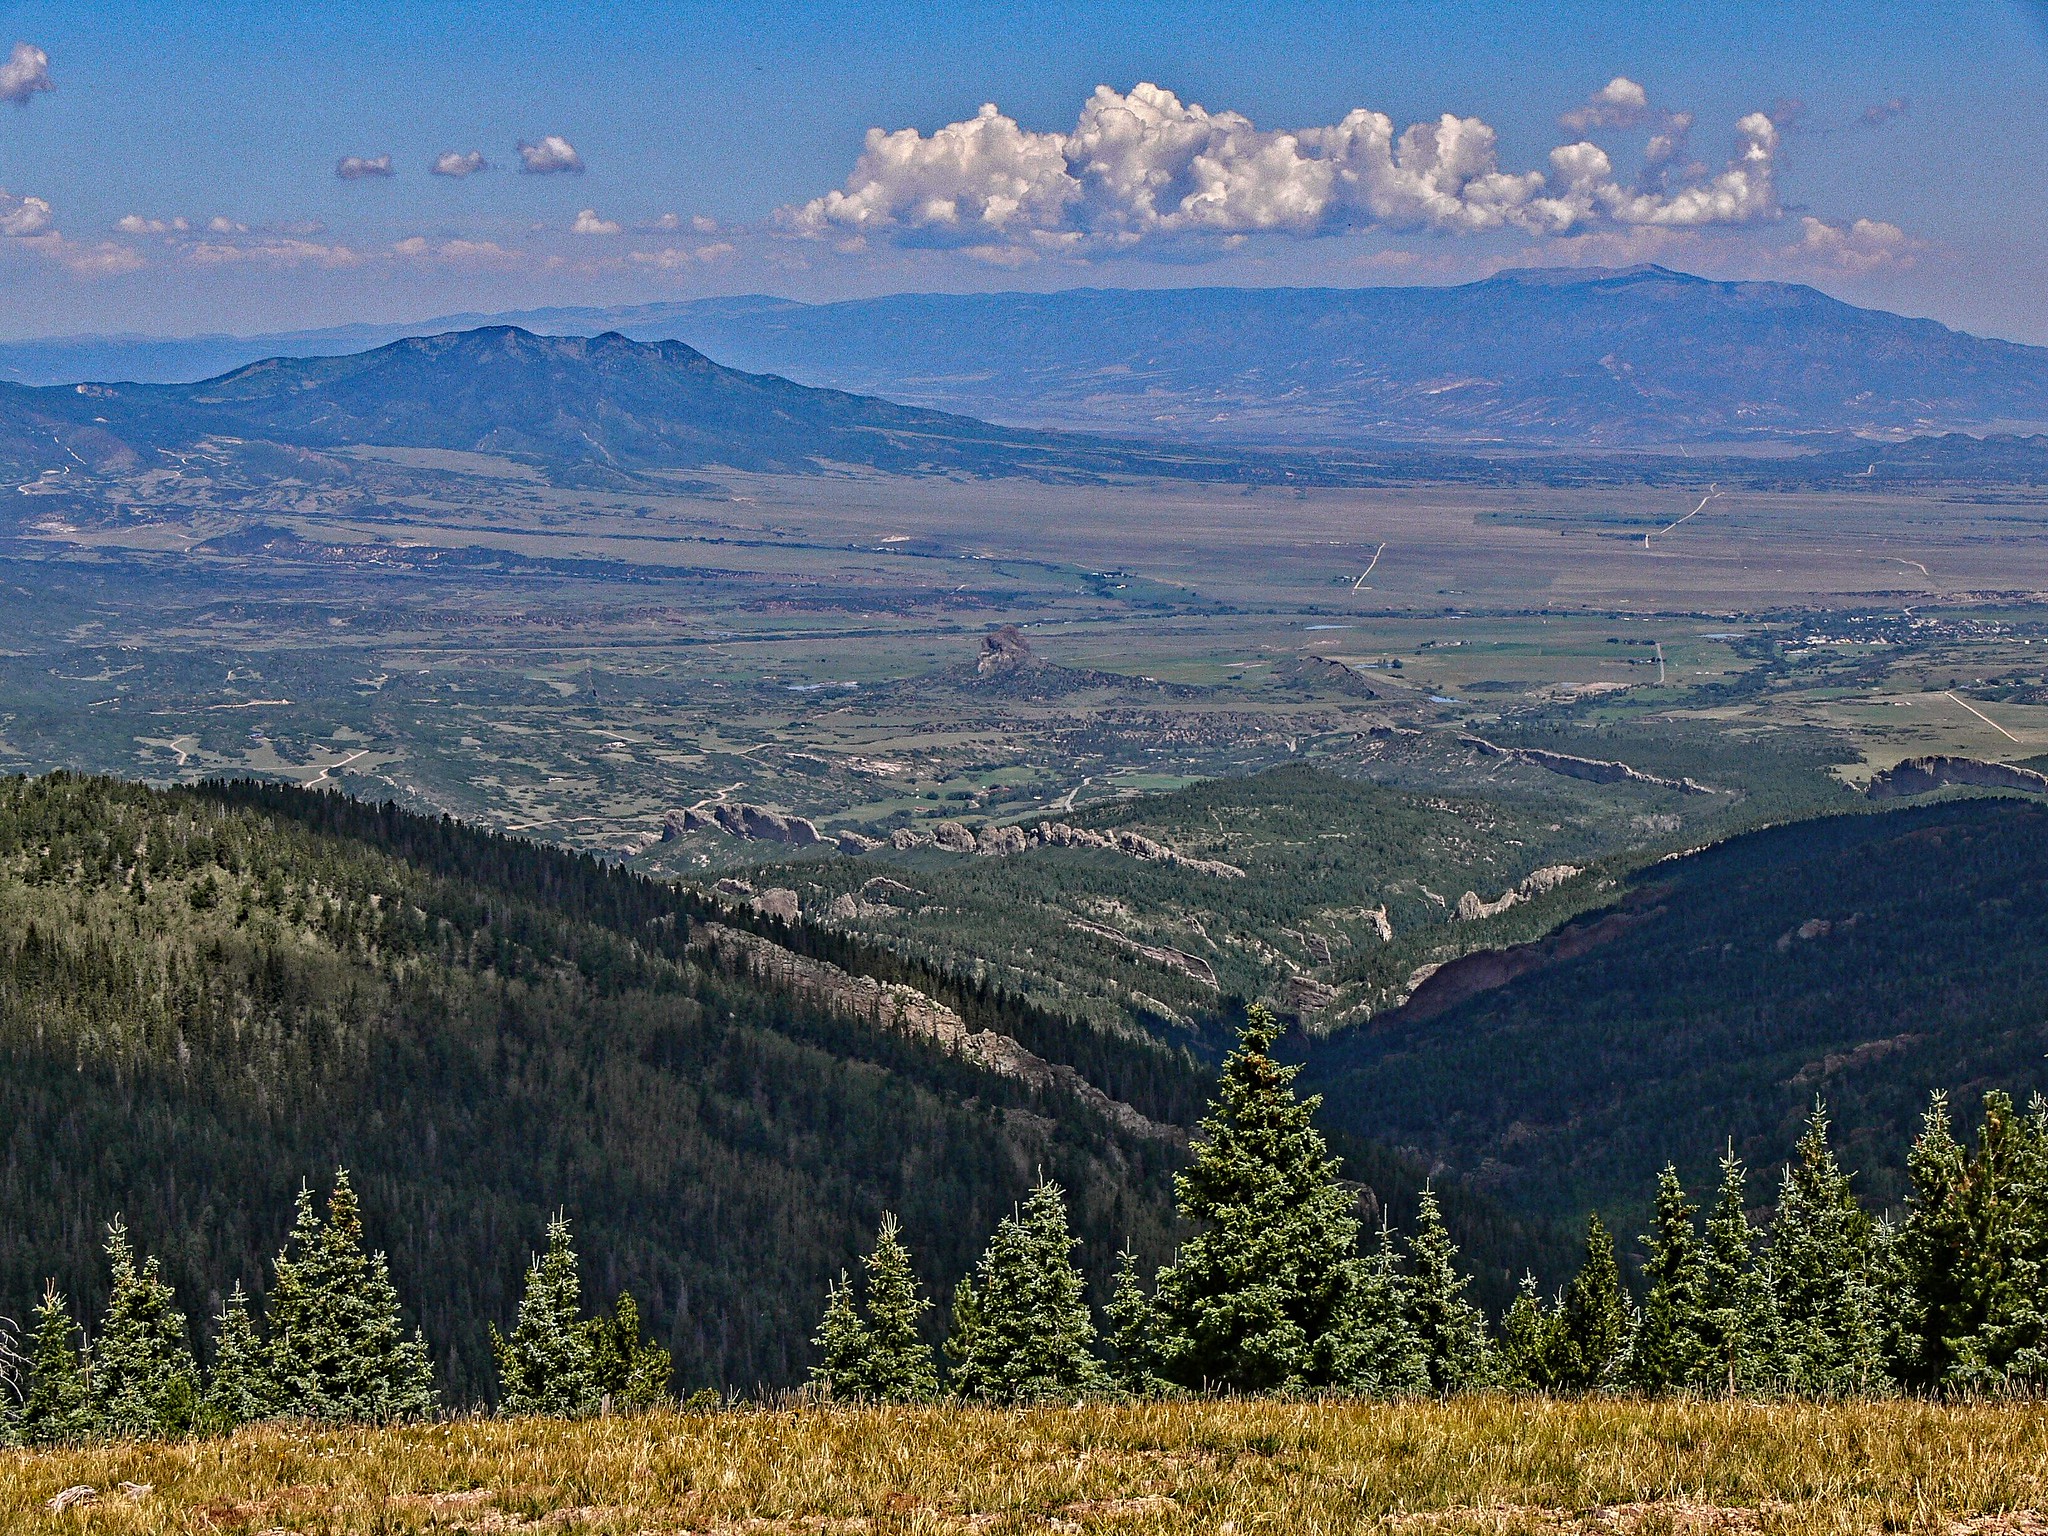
[1854,249]
[549,155]
[459,163]
[1620,103]
[588,223]
[682,258]
[272,251]
[25,75]
[455,253]
[138,224]
[1877,114]
[363,168]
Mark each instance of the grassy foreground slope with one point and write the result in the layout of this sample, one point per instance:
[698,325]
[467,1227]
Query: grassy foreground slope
[1867,959]
[1475,1464]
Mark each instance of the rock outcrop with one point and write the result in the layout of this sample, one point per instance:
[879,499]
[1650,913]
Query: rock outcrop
[1595,770]
[953,837]
[1470,908]
[905,1010]
[1192,966]
[754,822]
[776,901]
[1004,650]
[1924,775]
[1304,994]
[999,842]
[850,841]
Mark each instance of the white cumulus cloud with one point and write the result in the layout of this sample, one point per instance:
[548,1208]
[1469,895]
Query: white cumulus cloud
[549,155]
[1143,163]
[138,224]
[459,163]
[588,223]
[21,217]
[25,75]
[363,168]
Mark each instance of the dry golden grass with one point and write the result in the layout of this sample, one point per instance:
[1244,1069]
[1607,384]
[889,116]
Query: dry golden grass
[1478,1465]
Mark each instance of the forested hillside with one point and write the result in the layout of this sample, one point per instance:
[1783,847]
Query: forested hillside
[1866,959]
[206,998]
[210,996]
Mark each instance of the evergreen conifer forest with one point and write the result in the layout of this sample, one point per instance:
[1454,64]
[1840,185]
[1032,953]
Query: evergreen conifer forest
[1269,1292]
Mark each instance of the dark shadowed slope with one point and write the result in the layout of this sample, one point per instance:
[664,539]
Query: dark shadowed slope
[1867,959]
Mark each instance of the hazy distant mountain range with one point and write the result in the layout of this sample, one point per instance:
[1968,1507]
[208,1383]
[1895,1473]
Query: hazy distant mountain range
[1602,357]
[589,410]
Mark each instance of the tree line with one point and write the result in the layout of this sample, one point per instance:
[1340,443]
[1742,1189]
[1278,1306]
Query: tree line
[331,1347]
[1271,1291]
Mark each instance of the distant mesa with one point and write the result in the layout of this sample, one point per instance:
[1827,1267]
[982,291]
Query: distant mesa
[1924,775]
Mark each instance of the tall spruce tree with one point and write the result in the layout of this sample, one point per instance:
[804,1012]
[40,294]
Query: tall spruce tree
[880,1357]
[56,1409]
[844,1343]
[238,1387]
[1737,1318]
[1135,1362]
[1022,1332]
[631,1372]
[1592,1317]
[1265,1271]
[545,1364]
[2016,1307]
[1940,1307]
[1972,1255]
[1372,1348]
[901,1368]
[1820,1265]
[1672,1349]
[1529,1344]
[337,1348]
[1452,1329]
[144,1383]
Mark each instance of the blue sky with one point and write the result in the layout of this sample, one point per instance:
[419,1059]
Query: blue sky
[1889,154]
